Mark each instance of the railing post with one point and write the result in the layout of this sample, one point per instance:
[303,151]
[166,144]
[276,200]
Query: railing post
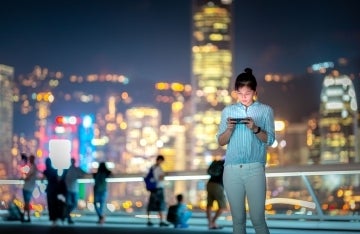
[314,197]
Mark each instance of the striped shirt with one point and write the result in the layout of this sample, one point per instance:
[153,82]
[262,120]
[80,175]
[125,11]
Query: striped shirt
[244,146]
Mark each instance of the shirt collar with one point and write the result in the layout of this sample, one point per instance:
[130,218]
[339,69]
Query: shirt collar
[239,104]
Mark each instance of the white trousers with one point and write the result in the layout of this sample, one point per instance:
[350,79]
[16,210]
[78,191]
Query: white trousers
[241,182]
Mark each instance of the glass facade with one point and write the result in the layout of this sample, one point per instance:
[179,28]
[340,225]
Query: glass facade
[338,120]
[142,138]
[212,70]
[6,120]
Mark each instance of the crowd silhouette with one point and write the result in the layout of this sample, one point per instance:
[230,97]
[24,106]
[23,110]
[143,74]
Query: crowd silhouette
[62,193]
[61,190]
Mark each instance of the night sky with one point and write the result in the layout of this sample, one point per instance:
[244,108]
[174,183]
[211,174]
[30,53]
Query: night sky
[149,41]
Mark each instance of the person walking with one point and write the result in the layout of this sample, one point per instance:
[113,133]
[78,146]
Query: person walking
[247,141]
[215,192]
[157,196]
[100,190]
[72,175]
[29,186]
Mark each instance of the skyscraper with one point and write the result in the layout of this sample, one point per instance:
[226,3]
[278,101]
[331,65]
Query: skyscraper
[338,120]
[6,120]
[142,137]
[212,70]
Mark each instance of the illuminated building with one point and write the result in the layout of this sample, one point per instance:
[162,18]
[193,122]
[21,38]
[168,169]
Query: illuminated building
[171,145]
[290,146]
[86,142]
[44,99]
[297,152]
[109,134]
[79,132]
[337,128]
[321,67]
[43,94]
[275,153]
[177,96]
[175,145]
[142,136]
[212,70]
[90,92]
[6,120]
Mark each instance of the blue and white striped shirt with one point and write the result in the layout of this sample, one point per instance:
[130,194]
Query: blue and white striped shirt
[244,146]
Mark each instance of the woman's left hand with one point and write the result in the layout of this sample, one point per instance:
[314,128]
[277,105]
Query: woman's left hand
[251,124]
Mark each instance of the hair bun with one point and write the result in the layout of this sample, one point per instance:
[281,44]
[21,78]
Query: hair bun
[248,70]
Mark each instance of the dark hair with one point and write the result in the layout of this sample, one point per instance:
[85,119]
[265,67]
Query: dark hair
[160,157]
[246,79]
[179,197]
[48,163]
[24,157]
[73,161]
[102,167]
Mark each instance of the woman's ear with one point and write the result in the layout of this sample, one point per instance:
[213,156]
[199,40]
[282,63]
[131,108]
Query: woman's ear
[255,97]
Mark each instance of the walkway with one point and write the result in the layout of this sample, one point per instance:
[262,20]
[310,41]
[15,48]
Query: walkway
[137,225]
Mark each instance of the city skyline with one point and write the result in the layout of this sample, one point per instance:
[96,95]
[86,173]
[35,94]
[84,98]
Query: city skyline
[149,41]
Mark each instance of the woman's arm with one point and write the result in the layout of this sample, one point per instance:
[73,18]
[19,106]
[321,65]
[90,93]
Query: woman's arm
[224,137]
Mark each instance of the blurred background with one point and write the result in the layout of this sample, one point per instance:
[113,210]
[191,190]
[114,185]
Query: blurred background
[124,81]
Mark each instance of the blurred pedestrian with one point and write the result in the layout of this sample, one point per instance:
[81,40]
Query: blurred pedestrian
[72,188]
[14,211]
[100,190]
[55,193]
[215,193]
[29,186]
[179,214]
[157,196]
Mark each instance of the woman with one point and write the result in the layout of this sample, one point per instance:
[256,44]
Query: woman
[245,158]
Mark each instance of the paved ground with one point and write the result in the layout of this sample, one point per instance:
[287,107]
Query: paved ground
[43,228]
[136,225]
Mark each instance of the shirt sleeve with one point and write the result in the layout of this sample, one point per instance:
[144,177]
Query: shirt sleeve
[270,126]
[222,125]
[158,172]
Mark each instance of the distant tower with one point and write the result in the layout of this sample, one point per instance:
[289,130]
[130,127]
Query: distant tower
[143,123]
[338,120]
[6,120]
[212,71]
[43,103]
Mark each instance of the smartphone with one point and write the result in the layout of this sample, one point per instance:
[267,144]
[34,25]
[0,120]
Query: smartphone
[240,120]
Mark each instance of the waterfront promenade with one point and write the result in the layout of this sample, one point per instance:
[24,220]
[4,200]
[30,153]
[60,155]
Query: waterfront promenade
[137,225]
[304,213]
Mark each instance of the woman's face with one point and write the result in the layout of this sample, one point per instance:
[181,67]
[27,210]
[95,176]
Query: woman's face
[246,95]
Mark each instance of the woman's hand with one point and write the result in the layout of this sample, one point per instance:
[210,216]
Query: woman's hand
[230,123]
[251,125]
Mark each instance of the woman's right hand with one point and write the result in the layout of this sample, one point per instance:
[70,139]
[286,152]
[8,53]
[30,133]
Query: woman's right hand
[230,123]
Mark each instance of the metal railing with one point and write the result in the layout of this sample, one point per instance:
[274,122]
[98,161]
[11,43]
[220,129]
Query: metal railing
[321,193]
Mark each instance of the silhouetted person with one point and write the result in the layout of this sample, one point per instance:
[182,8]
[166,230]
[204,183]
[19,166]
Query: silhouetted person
[100,190]
[55,193]
[215,192]
[72,188]
[157,196]
[14,211]
[179,214]
[29,186]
